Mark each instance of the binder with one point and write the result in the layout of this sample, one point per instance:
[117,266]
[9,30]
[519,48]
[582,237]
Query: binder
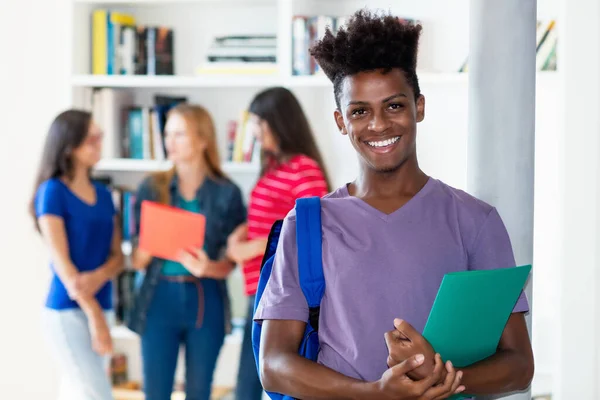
[470,312]
[166,230]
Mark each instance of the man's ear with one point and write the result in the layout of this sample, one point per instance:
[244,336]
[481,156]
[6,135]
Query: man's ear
[420,108]
[339,120]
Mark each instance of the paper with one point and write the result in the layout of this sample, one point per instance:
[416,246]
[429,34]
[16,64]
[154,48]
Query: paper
[470,313]
[165,230]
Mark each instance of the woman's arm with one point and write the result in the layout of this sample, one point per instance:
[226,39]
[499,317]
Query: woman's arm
[89,283]
[53,232]
[140,259]
[114,264]
[243,251]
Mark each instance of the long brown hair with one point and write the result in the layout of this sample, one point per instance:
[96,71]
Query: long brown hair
[67,132]
[282,111]
[198,121]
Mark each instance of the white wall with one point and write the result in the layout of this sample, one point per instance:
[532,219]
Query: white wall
[32,83]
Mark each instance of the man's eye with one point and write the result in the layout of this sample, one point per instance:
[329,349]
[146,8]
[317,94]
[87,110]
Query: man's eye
[358,111]
[396,106]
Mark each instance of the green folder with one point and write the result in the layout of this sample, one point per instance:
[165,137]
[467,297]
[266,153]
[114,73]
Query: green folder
[470,312]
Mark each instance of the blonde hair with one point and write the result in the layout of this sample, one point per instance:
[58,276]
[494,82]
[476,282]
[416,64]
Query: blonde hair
[198,121]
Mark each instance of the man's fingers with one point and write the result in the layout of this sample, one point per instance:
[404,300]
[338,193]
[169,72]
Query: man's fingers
[456,382]
[409,364]
[405,329]
[449,386]
[425,384]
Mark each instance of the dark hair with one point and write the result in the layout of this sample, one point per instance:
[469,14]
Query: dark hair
[369,42]
[67,132]
[282,111]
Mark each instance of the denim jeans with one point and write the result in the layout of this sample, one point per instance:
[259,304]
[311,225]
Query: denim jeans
[172,321]
[83,372]
[248,383]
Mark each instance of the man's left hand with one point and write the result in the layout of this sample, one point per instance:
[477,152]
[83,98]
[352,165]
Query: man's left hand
[404,342]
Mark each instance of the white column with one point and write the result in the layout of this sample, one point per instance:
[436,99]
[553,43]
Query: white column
[577,373]
[500,167]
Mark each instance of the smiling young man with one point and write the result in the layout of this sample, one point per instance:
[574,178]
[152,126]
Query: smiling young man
[388,239]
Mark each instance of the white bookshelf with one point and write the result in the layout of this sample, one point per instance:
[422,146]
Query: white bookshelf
[235,81]
[133,165]
[442,136]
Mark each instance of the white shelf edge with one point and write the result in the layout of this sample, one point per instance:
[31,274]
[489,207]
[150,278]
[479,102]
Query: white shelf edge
[134,165]
[172,81]
[131,165]
[219,81]
[165,2]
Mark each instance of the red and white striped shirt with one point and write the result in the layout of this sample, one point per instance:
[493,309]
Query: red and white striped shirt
[272,199]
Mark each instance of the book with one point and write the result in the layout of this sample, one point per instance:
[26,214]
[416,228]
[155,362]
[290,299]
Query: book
[165,230]
[470,312]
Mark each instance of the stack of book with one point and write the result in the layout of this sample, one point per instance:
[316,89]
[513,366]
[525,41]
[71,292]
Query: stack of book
[130,130]
[242,146]
[242,54]
[120,47]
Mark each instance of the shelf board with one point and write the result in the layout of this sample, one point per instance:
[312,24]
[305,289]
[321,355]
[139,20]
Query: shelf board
[133,165]
[173,81]
[166,2]
[219,81]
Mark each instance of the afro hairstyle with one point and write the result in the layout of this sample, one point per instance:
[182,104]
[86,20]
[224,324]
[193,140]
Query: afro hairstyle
[369,42]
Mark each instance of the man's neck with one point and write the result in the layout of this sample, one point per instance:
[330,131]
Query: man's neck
[405,181]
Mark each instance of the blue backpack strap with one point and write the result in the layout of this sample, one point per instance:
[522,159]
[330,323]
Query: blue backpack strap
[310,262]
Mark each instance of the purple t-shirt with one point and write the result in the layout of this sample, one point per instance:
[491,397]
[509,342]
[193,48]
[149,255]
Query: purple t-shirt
[381,266]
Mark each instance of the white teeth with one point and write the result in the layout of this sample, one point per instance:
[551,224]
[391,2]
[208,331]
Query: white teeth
[384,143]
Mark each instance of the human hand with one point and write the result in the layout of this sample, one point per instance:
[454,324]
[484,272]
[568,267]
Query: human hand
[101,339]
[240,234]
[395,383]
[196,261]
[87,284]
[404,342]
[449,387]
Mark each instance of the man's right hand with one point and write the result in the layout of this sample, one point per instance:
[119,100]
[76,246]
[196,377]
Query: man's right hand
[395,383]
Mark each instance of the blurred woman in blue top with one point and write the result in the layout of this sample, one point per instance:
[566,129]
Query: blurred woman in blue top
[184,301]
[76,218]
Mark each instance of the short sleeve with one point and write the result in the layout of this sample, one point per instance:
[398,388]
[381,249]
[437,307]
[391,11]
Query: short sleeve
[236,211]
[49,199]
[283,298]
[492,249]
[310,181]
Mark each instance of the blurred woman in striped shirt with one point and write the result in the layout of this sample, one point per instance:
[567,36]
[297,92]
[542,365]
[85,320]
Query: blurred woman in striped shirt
[292,167]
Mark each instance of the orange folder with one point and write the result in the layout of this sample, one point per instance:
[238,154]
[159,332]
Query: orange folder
[165,230]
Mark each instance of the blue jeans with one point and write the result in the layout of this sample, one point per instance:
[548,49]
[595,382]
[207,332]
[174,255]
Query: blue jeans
[83,372]
[248,383]
[172,321]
